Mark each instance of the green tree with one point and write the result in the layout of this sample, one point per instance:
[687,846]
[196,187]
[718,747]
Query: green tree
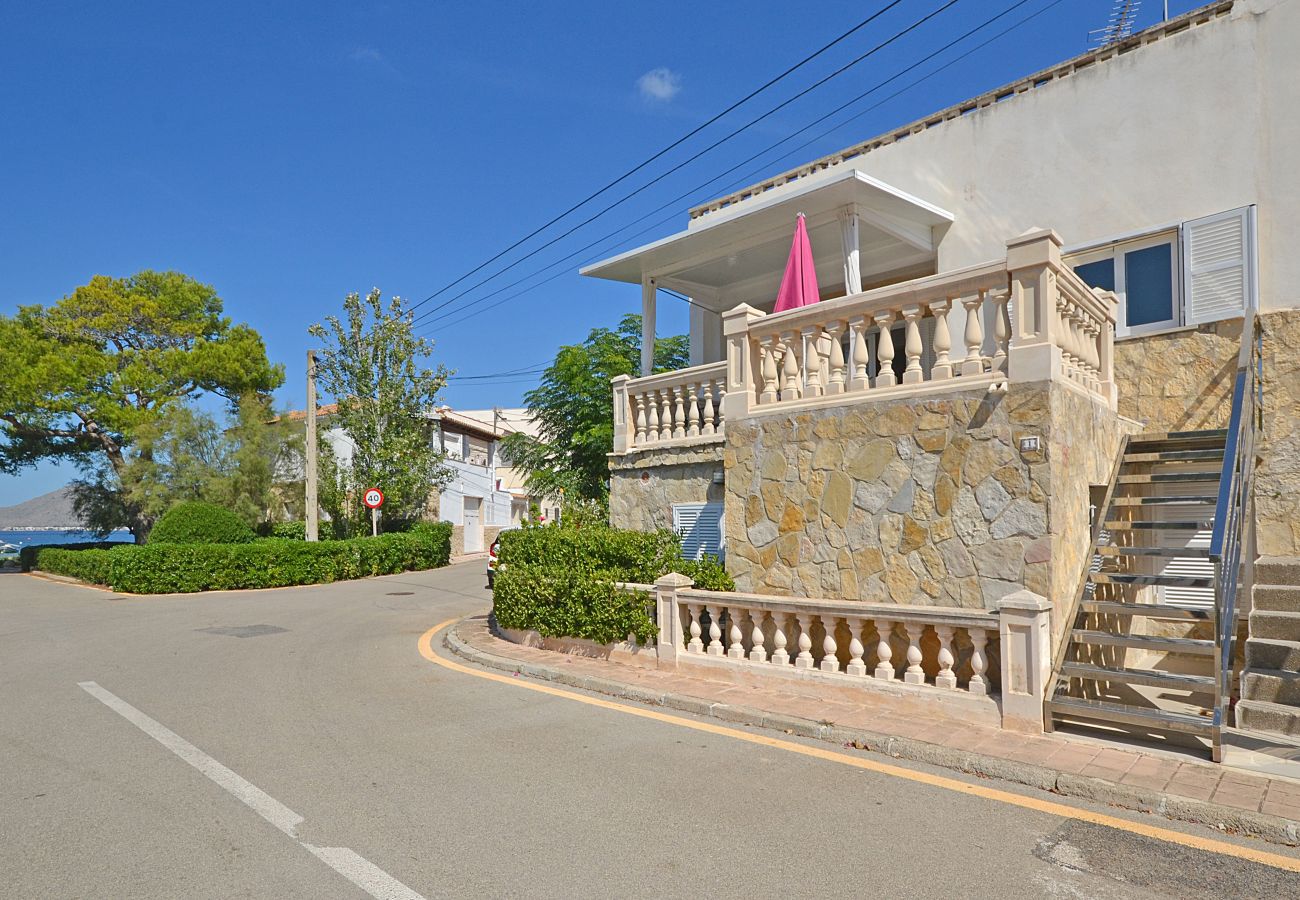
[573,407]
[373,365]
[92,378]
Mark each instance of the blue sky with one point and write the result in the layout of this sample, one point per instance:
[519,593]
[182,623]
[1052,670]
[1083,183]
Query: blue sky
[288,153]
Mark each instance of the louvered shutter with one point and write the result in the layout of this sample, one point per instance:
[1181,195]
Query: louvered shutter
[927,345]
[700,525]
[1219,265]
[1193,565]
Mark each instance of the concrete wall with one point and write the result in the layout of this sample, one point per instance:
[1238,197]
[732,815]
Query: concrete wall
[473,481]
[921,501]
[645,485]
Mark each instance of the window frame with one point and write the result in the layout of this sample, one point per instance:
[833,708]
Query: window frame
[1115,251]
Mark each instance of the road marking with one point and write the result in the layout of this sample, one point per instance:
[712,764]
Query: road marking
[1196,842]
[355,868]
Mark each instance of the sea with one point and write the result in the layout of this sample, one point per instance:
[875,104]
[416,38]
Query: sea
[21,539]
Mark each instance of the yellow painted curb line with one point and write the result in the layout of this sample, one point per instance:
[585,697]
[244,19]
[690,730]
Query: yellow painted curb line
[1196,842]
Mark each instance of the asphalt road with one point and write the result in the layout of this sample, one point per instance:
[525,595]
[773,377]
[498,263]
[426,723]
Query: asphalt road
[294,743]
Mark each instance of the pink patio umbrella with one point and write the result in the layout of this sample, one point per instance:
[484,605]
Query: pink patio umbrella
[799,283]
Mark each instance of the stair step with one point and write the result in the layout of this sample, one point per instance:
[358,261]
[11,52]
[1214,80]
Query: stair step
[1144,642]
[1153,437]
[1260,715]
[1280,570]
[1166,580]
[1169,478]
[1182,525]
[1078,708]
[1277,597]
[1146,611]
[1271,686]
[1275,625]
[1173,456]
[1186,500]
[1115,550]
[1138,676]
[1267,653]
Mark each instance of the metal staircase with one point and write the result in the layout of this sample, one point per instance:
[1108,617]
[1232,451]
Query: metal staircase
[1150,644]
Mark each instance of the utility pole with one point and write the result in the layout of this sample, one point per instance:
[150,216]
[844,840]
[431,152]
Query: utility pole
[313,509]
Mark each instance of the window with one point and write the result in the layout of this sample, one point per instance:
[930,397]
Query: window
[700,525]
[1201,271]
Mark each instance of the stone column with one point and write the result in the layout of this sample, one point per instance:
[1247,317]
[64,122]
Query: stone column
[668,610]
[1025,628]
[648,297]
[1032,261]
[622,431]
[742,366]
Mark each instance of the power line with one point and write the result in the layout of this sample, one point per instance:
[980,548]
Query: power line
[896,36]
[660,153]
[462,314]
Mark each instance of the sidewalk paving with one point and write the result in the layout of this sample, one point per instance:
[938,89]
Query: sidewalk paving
[1158,781]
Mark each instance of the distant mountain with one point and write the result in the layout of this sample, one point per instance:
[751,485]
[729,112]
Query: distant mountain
[52,510]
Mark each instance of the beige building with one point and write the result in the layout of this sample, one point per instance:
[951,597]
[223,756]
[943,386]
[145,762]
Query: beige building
[1052,379]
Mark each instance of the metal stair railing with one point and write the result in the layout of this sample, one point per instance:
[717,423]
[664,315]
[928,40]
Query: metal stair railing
[1232,516]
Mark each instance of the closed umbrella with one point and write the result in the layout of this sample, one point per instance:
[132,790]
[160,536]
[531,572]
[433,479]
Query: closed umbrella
[799,284]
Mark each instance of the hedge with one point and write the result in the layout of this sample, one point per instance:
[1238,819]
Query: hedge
[559,581]
[196,522]
[273,562]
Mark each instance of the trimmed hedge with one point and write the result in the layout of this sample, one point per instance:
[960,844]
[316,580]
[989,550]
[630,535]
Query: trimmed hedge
[289,531]
[559,581]
[273,562]
[196,522]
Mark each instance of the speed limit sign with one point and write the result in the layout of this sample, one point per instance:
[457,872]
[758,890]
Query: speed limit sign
[373,498]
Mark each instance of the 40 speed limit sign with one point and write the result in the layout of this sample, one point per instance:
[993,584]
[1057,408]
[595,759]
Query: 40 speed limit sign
[373,498]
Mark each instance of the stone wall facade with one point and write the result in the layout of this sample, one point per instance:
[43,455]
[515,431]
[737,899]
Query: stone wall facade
[918,501]
[644,485]
[1277,480]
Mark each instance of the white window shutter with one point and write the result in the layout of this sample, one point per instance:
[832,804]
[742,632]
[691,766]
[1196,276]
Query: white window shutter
[700,525]
[1219,265]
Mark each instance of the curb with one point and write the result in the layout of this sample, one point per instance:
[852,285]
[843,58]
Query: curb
[1273,829]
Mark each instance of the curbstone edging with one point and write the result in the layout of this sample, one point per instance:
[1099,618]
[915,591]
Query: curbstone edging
[1273,829]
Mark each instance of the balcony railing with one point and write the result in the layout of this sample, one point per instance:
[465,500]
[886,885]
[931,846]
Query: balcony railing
[1027,318]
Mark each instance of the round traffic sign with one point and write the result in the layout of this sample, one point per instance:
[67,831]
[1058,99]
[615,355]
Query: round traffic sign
[373,498]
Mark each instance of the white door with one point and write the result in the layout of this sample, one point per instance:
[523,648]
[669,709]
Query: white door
[473,524]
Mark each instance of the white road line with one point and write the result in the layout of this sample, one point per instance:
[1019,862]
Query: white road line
[352,866]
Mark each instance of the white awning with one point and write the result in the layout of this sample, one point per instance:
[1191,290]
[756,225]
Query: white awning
[738,253]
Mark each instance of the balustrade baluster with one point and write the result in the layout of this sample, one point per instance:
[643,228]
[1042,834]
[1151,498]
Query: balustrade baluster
[885,376]
[715,647]
[1069,359]
[693,410]
[694,645]
[830,649]
[1093,331]
[638,401]
[710,413]
[768,347]
[737,648]
[779,656]
[836,381]
[1001,330]
[884,652]
[912,345]
[914,674]
[722,392]
[651,399]
[790,390]
[942,367]
[973,364]
[812,361]
[946,678]
[859,352]
[666,415]
[679,412]
[979,684]
[805,658]
[856,665]
[757,641]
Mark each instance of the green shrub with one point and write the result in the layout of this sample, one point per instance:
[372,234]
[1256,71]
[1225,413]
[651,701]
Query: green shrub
[564,602]
[196,522]
[289,531]
[163,568]
[640,556]
[707,573]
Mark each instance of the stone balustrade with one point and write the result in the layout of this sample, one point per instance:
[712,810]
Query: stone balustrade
[683,405]
[1025,318]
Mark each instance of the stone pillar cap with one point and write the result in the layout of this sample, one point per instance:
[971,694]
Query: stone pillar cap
[1024,599]
[674,580]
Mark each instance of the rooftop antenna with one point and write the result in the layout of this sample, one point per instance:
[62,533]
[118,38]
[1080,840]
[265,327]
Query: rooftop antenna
[1119,26]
